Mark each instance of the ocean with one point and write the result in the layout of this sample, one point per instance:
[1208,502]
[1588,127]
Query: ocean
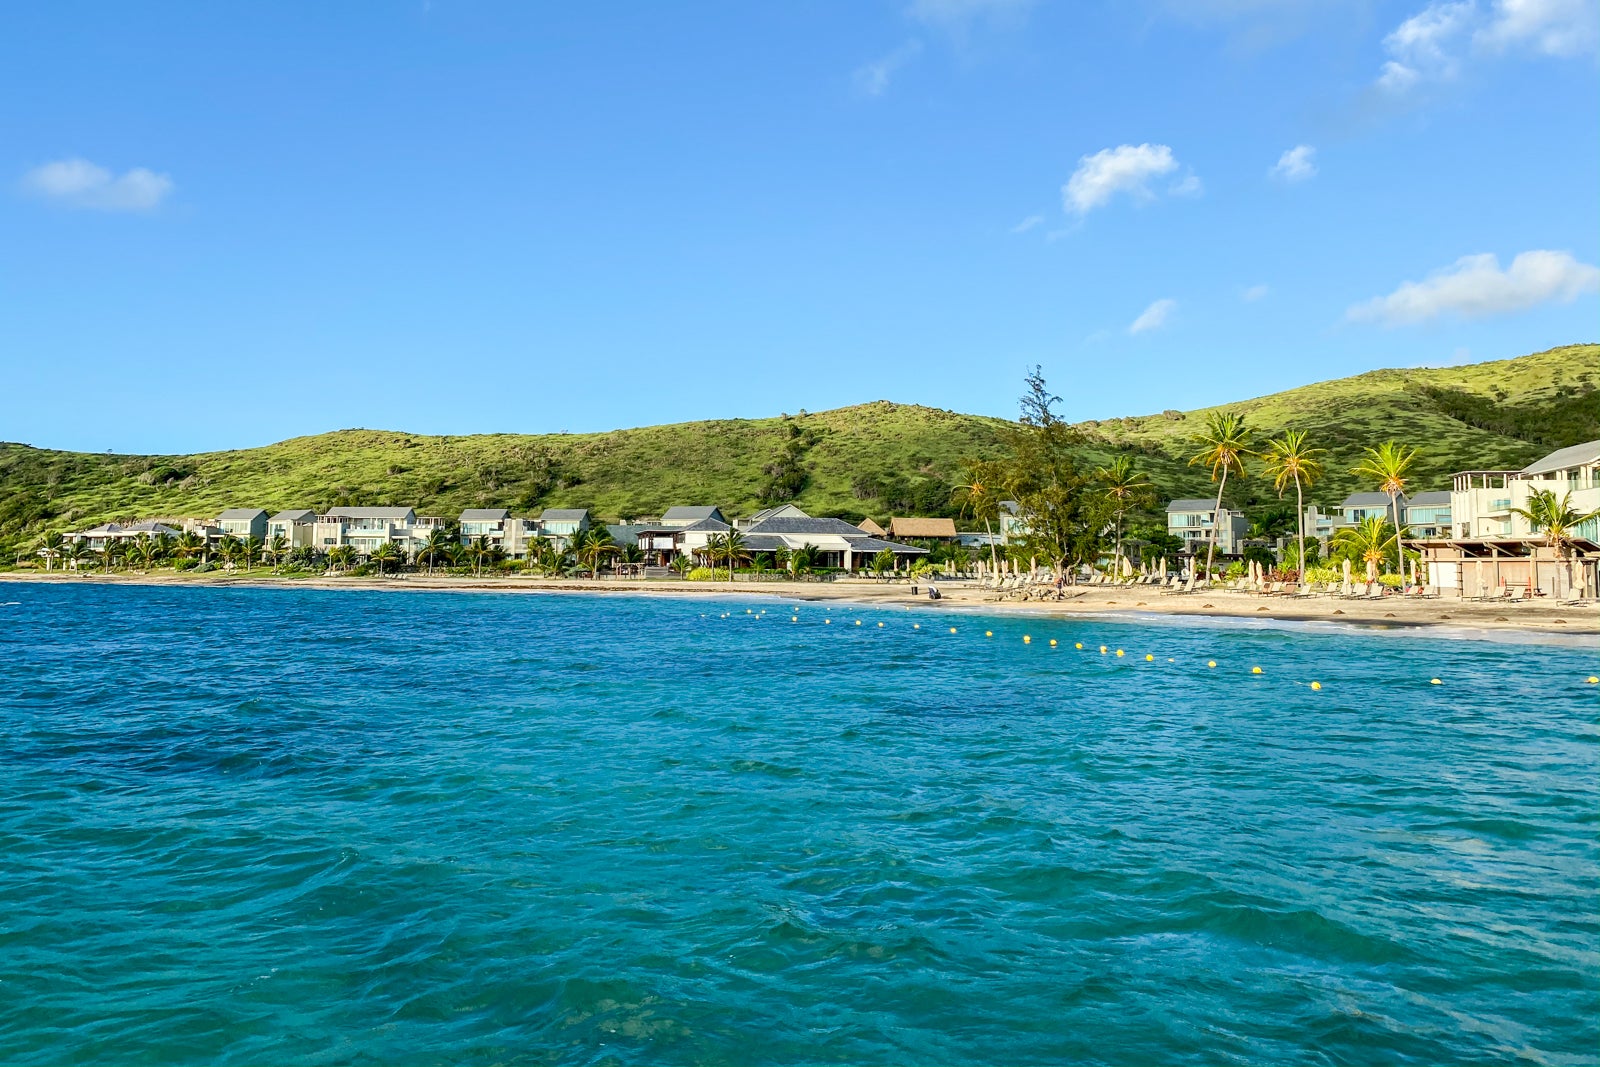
[308,826]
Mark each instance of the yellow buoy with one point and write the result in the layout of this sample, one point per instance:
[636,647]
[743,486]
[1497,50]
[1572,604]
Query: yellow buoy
[747,611]
[1593,680]
[914,626]
[1102,650]
[1255,670]
[880,626]
[988,633]
[1026,639]
[827,622]
[1211,663]
[858,622]
[1078,645]
[952,629]
[1434,681]
[1052,642]
[1316,685]
[1119,653]
[1148,658]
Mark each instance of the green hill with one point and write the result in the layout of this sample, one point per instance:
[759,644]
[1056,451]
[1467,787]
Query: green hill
[870,459]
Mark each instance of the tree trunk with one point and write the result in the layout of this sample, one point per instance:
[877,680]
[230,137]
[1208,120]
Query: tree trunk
[1216,523]
[1399,543]
[1300,514]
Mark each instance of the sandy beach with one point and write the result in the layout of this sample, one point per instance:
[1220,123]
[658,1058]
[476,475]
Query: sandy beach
[1445,616]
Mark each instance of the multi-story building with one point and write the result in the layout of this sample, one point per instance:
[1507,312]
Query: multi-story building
[1360,506]
[497,526]
[1482,502]
[364,529]
[1428,515]
[243,523]
[561,525]
[297,528]
[1191,520]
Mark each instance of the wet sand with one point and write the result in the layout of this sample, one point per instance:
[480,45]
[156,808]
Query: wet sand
[1445,615]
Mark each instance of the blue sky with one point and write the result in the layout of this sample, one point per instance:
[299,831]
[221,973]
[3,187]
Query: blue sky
[224,225]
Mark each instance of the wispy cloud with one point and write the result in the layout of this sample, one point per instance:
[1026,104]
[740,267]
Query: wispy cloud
[1432,45]
[873,78]
[1295,165]
[81,184]
[1153,317]
[1028,223]
[1189,185]
[1476,287]
[1124,169]
[1254,293]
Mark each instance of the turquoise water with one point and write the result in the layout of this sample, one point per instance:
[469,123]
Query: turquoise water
[301,826]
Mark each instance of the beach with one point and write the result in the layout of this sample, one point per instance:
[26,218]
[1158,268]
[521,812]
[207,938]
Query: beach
[1446,617]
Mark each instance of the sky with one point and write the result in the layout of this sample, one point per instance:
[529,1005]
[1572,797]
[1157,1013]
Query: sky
[225,225]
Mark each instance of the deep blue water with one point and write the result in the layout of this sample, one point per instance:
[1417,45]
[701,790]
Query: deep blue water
[301,826]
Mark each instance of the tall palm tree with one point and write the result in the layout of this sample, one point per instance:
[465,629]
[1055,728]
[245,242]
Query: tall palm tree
[480,550]
[1290,459]
[275,550]
[340,556]
[228,548]
[1388,466]
[1557,520]
[76,552]
[883,562]
[1223,448]
[189,545]
[110,549]
[436,544]
[1126,489]
[1368,540]
[50,547]
[730,548]
[980,498]
[249,550]
[384,554]
[592,549]
[144,551]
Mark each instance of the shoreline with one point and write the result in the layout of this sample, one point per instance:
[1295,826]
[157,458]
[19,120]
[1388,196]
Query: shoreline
[1442,618]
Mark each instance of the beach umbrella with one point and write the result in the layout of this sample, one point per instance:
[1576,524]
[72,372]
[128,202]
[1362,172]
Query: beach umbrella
[1346,583]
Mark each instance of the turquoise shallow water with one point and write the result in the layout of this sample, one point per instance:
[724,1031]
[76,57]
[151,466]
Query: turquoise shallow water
[300,826]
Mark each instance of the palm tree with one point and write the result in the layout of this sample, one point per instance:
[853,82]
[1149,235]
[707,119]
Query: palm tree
[682,564]
[1558,520]
[388,552]
[1290,459]
[1368,540]
[1388,466]
[144,551]
[479,550]
[249,549]
[76,552]
[189,545]
[228,548]
[883,561]
[593,546]
[980,498]
[275,550]
[1126,489]
[1223,447]
[340,556]
[110,549]
[729,548]
[803,560]
[437,544]
[50,547]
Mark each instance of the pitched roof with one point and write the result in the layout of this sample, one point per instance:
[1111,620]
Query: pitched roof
[484,515]
[1429,500]
[763,542]
[784,510]
[805,524]
[875,545]
[241,513]
[690,513]
[623,533]
[1191,504]
[294,516]
[371,513]
[868,526]
[1561,458]
[707,526]
[150,526]
[564,515]
[1368,500]
[901,526]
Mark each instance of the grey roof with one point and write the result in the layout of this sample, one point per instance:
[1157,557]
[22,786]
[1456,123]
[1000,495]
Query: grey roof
[294,516]
[623,533]
[150,526]
[877,544]
[766,513]
[241,513]
[763,542]
[485,515]
[805,524]
[1011,507]
[371,513]
[564,515]
[1369,500]
[707,525]
[1191,504]
[689,513]
[1429,500]
[1561,458]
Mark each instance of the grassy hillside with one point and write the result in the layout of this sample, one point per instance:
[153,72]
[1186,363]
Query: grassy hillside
[876,459]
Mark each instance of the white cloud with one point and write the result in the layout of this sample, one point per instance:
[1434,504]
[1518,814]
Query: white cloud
[1124,169]
[1475,286]
[1189,186]
[1295,165]
[79,183]
[1254,293]
[1550,27]
[1153,317]
[873,78]
[1430,46]
[1027,224]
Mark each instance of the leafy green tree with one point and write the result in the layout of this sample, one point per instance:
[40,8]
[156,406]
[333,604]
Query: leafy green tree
[593,547]
[250,550]
[1223,447]
[190,545]
[50,548]
[1388,466]
[435,546]
[1558,520]
[1126,489]
[803,560]
[1290,458]
[228,548]
[729,548]
[883,562]
[276,548]
[341,556]
[682,564]
[109,551]
[77,552]
[145,552]
[979,497]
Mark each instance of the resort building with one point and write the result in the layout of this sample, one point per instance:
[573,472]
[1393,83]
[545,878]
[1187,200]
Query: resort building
[1360,506]
[298,528]
[1481,502]
[98,537]
[243,523]
[838,543]
[1012,527]
[1191,521]
[1321,524]
[681,516]
[919,529]
[561,525]
[781,511]
[364,529]
[871,528]
[1427,515]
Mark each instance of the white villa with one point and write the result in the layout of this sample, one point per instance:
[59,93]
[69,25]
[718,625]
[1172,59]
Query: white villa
[1191,521]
